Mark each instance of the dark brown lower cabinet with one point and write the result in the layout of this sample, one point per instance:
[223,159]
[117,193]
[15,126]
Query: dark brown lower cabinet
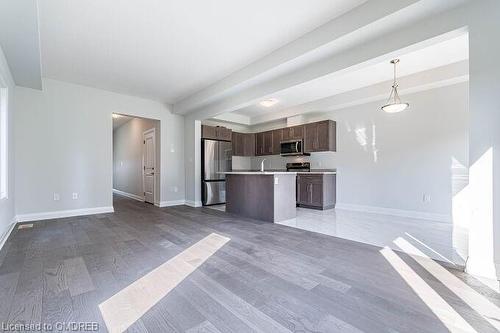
[316,191]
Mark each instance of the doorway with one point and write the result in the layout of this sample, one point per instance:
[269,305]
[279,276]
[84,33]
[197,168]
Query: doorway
[149,163]
[136,158]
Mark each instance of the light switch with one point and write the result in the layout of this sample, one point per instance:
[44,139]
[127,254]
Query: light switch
[57,197]
[276,180]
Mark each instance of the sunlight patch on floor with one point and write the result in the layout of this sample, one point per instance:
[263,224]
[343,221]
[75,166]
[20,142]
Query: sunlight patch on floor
[471,297]
[128,305]
[425,246]
[443,311]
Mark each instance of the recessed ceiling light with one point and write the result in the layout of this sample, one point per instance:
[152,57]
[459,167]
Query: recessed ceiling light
[269,102]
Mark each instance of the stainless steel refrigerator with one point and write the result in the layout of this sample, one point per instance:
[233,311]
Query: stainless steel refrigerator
[217,157]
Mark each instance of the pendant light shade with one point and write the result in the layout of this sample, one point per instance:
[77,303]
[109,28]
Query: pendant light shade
[394,103]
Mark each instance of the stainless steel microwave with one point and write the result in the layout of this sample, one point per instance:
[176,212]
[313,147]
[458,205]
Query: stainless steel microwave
[292,148]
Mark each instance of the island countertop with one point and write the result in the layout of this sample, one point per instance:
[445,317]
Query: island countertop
[258,173]
[280,172]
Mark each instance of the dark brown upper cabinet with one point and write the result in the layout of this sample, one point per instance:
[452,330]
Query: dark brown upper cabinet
[268,143]
[320,136]
[237,142]
[293,133]
[264,143]
[259,144]
[243,144]
[249,144]
[277,138]
[216,133]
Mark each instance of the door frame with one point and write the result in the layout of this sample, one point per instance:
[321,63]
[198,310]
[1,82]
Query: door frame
[149,131]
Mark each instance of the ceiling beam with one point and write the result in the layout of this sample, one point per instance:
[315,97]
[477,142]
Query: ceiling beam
[357,27]
[429,79]
[364,15]
[234,118]
[415,35]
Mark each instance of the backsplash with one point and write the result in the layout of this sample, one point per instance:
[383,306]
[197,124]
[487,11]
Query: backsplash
[326,160]
[242,163]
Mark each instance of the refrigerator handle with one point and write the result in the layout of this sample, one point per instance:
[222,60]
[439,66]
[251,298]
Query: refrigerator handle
[217,160]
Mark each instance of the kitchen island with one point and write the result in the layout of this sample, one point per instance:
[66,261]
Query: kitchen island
[268,196]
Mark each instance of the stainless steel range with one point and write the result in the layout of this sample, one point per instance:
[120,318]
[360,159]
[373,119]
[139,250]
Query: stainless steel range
[298,167]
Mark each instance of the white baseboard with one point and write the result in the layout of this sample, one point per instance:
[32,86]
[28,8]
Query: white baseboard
[171,203]
[6,235]
[396,212]
[63,213]
[192,203]
[129,195]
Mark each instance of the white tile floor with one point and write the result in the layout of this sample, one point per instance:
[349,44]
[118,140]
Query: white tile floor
[436,240]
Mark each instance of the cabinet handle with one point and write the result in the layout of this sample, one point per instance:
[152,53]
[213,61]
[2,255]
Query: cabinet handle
[310,193]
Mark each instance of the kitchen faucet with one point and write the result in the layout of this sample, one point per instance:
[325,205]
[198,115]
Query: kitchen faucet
[262,165]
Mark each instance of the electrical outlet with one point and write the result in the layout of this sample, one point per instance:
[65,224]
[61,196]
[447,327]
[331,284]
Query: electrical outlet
[57,197]
[426,197]
[174,189]
[75,195]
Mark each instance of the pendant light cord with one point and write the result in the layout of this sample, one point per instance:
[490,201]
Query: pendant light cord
[395,84]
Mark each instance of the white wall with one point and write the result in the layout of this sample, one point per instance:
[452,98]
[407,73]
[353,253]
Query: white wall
[192,158]
[64,136]
[7,206]
[391,160]
[127,156]
[235,127]
[484,234]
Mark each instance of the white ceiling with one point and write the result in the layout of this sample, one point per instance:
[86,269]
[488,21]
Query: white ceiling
[169,49]
[434,56]
[120,120]
[19,39]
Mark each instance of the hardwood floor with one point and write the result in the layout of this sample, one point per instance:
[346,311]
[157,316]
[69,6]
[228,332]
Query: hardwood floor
[265,278]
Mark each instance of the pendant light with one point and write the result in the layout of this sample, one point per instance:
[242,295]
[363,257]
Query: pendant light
[394,103]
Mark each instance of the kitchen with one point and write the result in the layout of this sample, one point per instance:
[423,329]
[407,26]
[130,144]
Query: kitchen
[401,174]
[394,180]
[268,194]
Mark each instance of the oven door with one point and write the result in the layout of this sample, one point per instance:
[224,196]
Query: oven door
[290,148]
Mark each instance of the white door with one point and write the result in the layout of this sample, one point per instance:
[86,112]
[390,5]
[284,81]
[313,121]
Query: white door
[148,157]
